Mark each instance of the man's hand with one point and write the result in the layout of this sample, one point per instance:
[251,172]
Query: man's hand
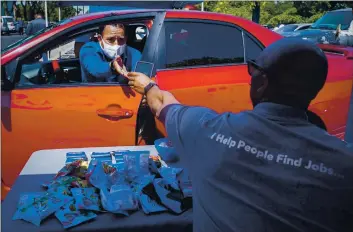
[119,67]
[156,98]
[138,81]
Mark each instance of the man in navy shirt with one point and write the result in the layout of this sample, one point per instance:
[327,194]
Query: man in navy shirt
[108,59]
[36,25]
[268,169]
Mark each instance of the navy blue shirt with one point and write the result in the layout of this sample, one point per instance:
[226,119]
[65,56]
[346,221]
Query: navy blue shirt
[263,170]
[95,66]
[35,25]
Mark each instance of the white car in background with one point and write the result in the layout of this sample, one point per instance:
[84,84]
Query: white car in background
[7,25]
[289,28]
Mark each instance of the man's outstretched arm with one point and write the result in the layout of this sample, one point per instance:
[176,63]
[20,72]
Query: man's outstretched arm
[156,99]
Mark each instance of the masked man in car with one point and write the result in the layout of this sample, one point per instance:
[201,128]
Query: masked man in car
[109,58]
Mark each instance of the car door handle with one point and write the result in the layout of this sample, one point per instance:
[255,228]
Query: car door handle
[115,112]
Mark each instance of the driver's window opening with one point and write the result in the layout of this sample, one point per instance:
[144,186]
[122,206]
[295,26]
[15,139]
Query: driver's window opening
[61,63]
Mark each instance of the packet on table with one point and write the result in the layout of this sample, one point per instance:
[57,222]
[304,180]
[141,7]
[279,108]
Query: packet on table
[136,164]
[69,181]
[26,199]
[97,158]
[73,156]
[70,216]
[87,199]
[166,150]
[40,207]
[105,157]
[76,168]
[61,189]
[172,200]
[123,195]
[185,183]
[169,176]
[148,205]
[103,176]
[120,199]
[119,156]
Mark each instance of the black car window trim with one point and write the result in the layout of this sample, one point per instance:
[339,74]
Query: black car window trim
[206,21]
[254,39]
[75,30]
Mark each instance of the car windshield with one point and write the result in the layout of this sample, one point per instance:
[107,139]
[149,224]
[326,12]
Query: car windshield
[8,20]
[287,28]
[331,20]
[22,41]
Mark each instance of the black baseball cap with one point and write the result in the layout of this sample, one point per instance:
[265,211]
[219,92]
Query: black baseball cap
[295,66]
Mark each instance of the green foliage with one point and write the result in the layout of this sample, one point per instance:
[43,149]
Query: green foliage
[274,13]
[27,9]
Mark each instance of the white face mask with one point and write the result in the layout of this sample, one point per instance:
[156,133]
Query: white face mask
[109,50]
[121,50]
[112,51]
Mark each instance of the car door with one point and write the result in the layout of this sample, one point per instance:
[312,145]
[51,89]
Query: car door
[203,63]
[37,115]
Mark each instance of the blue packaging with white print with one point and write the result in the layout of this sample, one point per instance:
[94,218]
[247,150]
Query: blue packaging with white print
[136,164]
[73,156]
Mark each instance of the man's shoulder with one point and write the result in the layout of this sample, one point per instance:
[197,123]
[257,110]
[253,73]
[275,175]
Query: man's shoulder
[87,47]
[133,51]
[39,21]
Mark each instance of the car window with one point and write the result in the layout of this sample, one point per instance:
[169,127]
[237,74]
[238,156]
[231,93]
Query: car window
[287,28]
[28,38]
[332,19]
[198,43]
[303,27]
[8,20]
[57,65]
[58,62]
[252,48]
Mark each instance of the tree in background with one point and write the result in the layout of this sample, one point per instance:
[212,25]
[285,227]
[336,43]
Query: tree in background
[277,12]
[27,9]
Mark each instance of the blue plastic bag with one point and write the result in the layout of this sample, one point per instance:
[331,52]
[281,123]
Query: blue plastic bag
[119,156]
[169,176]
[106,157]
[119,200]
[70,216]
[164,195]
[40,207]
[87,199]
[148,205]
[185,183]
[73,156]
[166,150]
[136,164]
[103,176]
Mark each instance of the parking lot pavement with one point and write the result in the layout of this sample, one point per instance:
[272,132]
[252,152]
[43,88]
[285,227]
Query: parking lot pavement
[7,40]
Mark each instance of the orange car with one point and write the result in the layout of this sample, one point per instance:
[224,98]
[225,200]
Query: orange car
[200,57]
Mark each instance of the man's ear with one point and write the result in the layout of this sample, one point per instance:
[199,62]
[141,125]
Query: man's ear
[264,84]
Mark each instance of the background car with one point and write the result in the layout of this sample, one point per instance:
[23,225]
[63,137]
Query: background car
[289,28]
[324,29]
[7,25]
[45,105]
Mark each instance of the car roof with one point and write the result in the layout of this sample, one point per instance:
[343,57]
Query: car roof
[346,9]
[262,34]
[113,12]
